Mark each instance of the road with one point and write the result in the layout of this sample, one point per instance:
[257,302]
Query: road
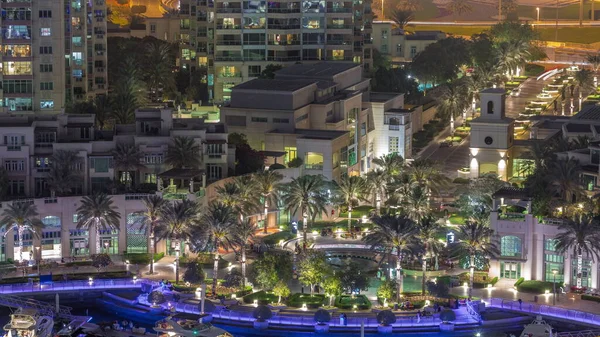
[549,23]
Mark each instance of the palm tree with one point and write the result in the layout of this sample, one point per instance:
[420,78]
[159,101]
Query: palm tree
[97,212]
[242,234]
[351,189]
[21,216]
[582,236]
[565,178]
[395,234]
[452,102]
[177,223]
[416,201]
[128,159]
[459,7]
[428,173]
[160,76]
[129,92]
[240,194]
[594,60]
[376,185]
[217,223]
[474,239]
[183,152]
[269,185]
[428,233]
[65,172]
[307,194]
[391,164]
[400,15]
[585,80]
[151,218]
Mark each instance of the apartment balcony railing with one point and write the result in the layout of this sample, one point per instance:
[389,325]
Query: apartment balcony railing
[275,26]
[339,42]
[230,74]
[339,10]
[229,43]
[283,10]
[229,26]
[228,58]
[394,127]
[229,10]
[334,26]
[283,58]
[284,43]
[313,166]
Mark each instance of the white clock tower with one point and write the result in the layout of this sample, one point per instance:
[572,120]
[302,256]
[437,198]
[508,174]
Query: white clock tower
[492,137]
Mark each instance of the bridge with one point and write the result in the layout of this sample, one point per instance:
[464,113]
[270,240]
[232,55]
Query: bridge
[33,288]
[546,310]
[584,333]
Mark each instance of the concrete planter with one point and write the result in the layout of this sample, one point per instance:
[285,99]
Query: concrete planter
[384,329]
[207,318]
[156,309]
[322,327]
[261,325]
[447,326]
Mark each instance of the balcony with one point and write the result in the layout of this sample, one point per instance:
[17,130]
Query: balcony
[394,127]
[283,58]
[284,43]
[229,10]
[334,26]
[313,166]
[229,74]
[229,26]
[229,43]
[231,58]
[283,10]
[339,42]
[339,10]
[275,26]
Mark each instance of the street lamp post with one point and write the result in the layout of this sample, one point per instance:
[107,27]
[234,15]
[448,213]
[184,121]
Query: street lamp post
[38,259]
[556,28]
[538,13]
[554,271]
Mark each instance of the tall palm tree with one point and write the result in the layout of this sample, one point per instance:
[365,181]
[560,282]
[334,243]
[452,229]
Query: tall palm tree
[395,235]
[269,186]
[428,232]
[474,239]
[128,159]
[177,223]
[564,178]
[183,152]
[391,163]
[151,218]
[584,80]
[581,236]
[452,102]
[160,76]
[97,212]
[351,189]
[401,16]
[128,93]
[416,201]
[242,234]
[217,224]
[240,194]
[594,60]
[65,172]
[376,185]
[306,194]
[459,7]
[428,173]
[22,217]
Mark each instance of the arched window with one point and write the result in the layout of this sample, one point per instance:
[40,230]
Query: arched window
[490,107]
[51,221]
[510,246]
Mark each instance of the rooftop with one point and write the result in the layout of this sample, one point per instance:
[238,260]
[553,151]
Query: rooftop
[381,97]
[493,91]
[574,127]
[317,70]
[511,193]
[589,112]
[313,134]
[425,35]
[275,85]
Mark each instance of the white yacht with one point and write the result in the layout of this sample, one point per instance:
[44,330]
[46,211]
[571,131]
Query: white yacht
[29,323]
[537,328]
[186,325]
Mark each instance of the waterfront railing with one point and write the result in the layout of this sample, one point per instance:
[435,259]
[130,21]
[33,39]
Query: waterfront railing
[541,309]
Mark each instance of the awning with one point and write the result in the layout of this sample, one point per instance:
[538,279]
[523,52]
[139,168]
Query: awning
[79,125]
[148,119]
[181,173]
[215,141]
[275,154]
[45,129]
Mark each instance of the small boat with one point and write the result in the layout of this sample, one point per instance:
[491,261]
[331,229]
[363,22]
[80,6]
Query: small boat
[187,325]
[537,328]
[29,323]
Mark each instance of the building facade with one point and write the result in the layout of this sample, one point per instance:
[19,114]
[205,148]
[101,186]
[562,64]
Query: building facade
[236,40]
[52,54]
[399,45]
[322,113]
[30,142]
[528,246]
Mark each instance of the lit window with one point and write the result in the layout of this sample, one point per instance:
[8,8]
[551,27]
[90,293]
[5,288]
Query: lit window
[47,104]
[45,31]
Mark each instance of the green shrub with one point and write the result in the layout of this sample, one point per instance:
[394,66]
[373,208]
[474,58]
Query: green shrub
[138,258]
[519,281]
[262,298]
[462,181]
[158,256]
[262,313]
[494,281]
[276,166]
[590,298]
[386,317]
[347,302]
[296,162]
[447,315]
[322,316]
[274,239]
[312,302]
[535,287]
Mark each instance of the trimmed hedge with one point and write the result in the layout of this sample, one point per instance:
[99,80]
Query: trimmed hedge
[494,281]
[519,281]
[535,287]
[274,239]
[312,302]
[262,298]
[361,301]
[590,298]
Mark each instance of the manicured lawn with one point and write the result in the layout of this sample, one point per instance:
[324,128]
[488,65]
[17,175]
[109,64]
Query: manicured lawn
[428,10]
[456,219]
[348,302]
[565,34]
[358,212]
[570,12]
[315,301]
[276,237]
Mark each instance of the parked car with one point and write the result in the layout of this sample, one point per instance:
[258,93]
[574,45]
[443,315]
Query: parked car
[445,143]
[448,208]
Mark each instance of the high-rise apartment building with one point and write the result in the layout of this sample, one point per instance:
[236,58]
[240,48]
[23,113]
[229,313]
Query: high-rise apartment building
[53,53]
[236,39]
